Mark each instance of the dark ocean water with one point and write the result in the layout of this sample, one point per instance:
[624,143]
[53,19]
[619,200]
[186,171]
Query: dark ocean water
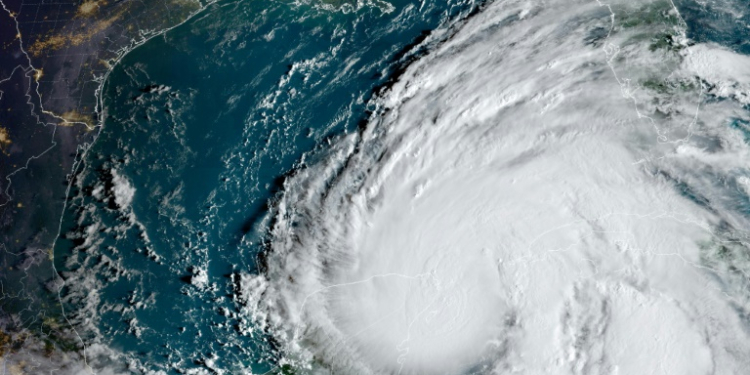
[202,125]
[722,22]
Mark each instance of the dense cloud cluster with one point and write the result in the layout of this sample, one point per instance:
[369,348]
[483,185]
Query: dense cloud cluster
[555,187]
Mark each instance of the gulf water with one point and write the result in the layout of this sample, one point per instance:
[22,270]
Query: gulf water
[201,126]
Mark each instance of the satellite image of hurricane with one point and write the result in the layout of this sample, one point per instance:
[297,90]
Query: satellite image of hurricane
[375,187]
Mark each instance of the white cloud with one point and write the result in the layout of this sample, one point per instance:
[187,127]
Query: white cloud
[553,229]
[122,189]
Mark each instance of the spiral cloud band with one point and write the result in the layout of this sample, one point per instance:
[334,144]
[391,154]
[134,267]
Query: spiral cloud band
[552,189]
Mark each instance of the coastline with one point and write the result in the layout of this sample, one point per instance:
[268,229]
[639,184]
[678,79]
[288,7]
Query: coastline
[24,340]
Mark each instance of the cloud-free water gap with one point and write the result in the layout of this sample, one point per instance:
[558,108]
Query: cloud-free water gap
[195,149]
[501,201]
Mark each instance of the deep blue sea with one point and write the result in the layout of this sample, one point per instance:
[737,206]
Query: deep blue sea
[200,128]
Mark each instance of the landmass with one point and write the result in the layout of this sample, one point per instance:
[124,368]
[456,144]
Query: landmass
[55,58]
